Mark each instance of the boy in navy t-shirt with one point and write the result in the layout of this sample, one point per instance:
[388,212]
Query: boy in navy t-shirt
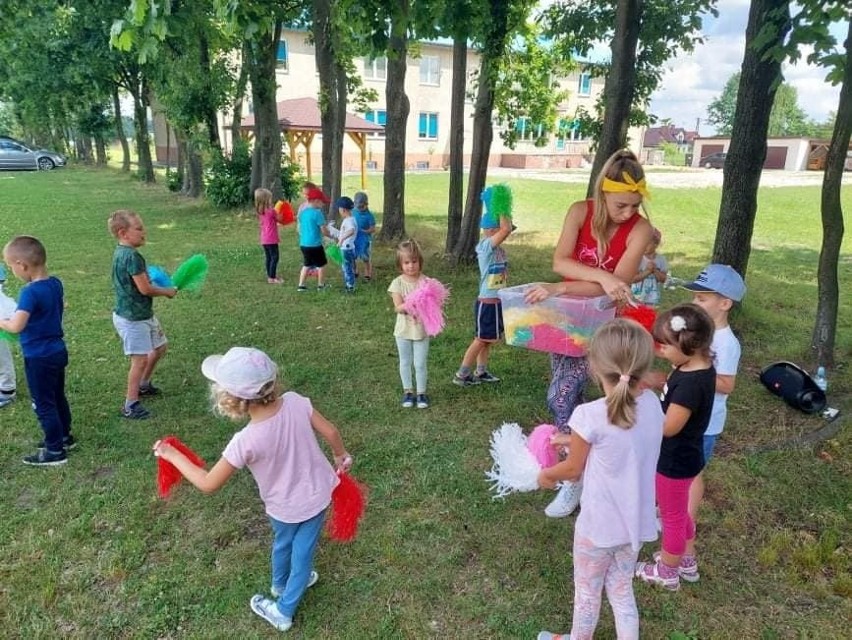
[39,321]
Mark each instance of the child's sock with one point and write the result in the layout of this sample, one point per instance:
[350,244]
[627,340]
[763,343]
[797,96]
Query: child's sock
[480,369]
[144,383]
[464,372]
[129,403]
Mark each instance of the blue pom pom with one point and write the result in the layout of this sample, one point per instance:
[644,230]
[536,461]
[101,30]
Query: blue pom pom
[159,277]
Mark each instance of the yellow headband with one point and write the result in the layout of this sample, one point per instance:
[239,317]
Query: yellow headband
[629,185]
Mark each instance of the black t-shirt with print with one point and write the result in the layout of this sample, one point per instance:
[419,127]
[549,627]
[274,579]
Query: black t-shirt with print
[682,455]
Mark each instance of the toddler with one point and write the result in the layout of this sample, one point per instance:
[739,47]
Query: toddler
[312,228]
[653,272]
[366,228]
[8,381]
[268,220]
[345,237]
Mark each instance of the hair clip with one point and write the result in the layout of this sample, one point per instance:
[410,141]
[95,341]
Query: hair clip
[677,323]
[624,377]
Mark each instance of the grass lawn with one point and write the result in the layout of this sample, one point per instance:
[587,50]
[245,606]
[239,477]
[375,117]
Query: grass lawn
[88,551]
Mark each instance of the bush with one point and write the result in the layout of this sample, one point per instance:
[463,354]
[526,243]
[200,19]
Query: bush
[229,177]
[174,181]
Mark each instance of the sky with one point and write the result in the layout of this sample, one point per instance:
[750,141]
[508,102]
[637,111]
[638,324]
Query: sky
[692,81]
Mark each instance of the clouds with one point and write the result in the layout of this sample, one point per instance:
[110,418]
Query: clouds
[693,80]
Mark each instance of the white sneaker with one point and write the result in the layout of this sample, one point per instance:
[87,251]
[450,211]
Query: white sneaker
[566,500]
[311,582]
[268,610]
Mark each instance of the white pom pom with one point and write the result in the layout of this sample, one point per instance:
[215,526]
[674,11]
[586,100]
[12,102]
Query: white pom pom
[514,468]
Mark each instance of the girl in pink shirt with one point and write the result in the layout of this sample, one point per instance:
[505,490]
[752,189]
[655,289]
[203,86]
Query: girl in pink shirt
[614,444]
[280,449]
[268,221]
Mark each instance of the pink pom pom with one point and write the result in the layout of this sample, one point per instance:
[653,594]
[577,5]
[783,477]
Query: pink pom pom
[538,444]
[426,303]
[347,508]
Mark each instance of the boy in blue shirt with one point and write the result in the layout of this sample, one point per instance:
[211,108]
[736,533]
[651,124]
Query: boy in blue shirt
[366,228]
[488,310]
[38,319]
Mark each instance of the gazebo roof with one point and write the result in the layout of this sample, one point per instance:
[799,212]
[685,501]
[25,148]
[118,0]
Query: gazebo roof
[303,114]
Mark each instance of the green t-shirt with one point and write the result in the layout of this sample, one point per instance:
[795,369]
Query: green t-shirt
[129,302]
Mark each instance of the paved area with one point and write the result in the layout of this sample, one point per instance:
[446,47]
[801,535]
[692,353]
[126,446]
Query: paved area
[676,178]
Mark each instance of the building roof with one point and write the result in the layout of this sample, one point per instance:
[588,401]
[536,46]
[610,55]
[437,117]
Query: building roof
[303,114]
[654,136]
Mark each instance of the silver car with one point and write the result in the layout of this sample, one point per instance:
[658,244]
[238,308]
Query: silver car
[16,155]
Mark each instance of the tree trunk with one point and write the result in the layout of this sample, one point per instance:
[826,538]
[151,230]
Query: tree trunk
[180,165]
[242,81]
[145,168]
[456,191]
[211,118]
[84,149]
[398,107]
[759,79]
[825,326]
[119,130]
[195,168]
[266,164]
[100,150]
[619,87]
[493,51]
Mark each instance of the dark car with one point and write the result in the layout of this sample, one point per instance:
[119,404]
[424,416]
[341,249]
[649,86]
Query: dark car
[15,155]
[713,161]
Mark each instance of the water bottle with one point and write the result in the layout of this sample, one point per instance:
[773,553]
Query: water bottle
[820,379]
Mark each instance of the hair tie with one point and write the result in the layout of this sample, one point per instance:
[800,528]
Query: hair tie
[624,377]
[677,323]
[628,185]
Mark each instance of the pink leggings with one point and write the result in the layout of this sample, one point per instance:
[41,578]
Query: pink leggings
[673,500]
[596,568]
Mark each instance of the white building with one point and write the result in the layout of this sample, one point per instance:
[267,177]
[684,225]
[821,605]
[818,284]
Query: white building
[788,153]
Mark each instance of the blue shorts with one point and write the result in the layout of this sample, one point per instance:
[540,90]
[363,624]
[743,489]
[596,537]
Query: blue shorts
[488,319]
[709,444]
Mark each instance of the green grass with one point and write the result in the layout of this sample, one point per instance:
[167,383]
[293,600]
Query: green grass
[88,551]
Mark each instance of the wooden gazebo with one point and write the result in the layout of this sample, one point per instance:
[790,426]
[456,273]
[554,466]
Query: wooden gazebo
[299,120]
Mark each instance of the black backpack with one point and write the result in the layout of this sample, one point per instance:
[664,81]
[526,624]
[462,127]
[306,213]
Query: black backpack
[794,385]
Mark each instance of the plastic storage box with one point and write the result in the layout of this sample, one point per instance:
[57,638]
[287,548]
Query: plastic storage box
[560,324]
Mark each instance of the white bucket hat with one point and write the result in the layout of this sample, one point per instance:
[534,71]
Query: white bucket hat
[242,371]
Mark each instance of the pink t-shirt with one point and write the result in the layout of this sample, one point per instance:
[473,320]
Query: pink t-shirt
[293,475]
[617,504]
[268,227]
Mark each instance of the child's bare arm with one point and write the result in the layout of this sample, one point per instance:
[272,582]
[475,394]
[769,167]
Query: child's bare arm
[205,481]
[569,469]
[725,384]
[503,233]
[398,302]
[676,418]
[17,323]
[324,427]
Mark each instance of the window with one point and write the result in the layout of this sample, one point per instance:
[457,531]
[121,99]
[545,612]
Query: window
[526,130]
[585,85]
[376,69]
[428,126]
[379,116]
[568,131]
[281,55]
[430,70]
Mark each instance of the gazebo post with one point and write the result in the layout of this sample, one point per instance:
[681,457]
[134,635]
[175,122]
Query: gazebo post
[307,139]
[292,146]
[361,140]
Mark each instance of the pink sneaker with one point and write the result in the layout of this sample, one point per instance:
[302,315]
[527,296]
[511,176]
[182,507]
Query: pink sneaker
[688,568]
[653,573]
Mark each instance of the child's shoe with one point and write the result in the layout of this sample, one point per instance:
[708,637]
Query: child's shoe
[408,400]
[268,610]
[658,573]
[350,289]
[465,381]
[7,398]
[301,287]
[149,390]
[323,287]
[422,401]
[485,376]
[45,458]
[135,412]
[276,592]
[688,569]
[68,443]
[547,635]
[566,500]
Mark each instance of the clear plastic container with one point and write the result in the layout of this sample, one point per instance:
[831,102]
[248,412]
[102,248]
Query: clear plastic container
[560,324]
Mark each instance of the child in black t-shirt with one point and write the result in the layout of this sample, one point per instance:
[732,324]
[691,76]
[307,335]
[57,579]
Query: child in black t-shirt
[685,333]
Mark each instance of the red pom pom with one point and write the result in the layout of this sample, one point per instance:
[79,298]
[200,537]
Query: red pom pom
[167,474]
[643,314]
[347,508]
[285,212]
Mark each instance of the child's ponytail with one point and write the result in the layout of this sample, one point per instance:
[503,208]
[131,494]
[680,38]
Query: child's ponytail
[621,352]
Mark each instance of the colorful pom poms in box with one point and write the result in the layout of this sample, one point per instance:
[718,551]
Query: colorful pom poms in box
[284,212]
[641,313]
[515,466]
[334,254]
[426,303]
[348,502]
[191,273]
[167,474]
[159,277]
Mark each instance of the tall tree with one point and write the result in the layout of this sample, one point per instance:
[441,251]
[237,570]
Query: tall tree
[786,118]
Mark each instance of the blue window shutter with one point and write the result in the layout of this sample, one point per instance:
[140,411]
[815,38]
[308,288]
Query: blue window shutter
[370,116]
[382,117]
[281,53]
[422,126]
[433,126]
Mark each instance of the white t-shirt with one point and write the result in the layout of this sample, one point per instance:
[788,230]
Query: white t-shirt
[348,225]
[293,475]
[617,504]
[726,359]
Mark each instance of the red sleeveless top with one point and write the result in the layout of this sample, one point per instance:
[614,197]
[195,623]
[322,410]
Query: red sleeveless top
[586,248]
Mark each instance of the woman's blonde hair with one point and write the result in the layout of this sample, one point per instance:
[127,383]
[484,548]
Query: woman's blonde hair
[409,248]
[262,200]
[620,162]
[230,406]
[621,352]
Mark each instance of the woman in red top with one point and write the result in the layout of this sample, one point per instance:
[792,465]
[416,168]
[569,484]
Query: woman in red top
[598,253]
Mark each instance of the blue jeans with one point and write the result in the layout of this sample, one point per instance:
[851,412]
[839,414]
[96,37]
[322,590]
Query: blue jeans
[293,549]
[46,379]
[349,268]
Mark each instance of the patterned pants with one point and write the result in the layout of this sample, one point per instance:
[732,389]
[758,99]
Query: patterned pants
[568,377]
[596,569]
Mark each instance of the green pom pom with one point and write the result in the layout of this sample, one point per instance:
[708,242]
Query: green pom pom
[501,201]
[334,254]
[8,337]
[191,273]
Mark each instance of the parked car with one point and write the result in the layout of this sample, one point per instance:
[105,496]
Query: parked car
[15,155]
[713,161]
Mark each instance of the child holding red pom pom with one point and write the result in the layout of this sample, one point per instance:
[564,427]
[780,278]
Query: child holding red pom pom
[280,448]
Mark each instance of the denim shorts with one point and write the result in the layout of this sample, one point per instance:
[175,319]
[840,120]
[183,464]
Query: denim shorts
[709,443]
[139,337]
